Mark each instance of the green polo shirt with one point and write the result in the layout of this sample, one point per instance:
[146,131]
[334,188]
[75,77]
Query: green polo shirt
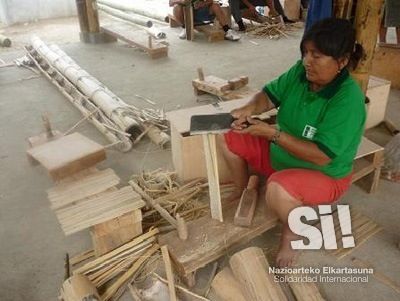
[333,118]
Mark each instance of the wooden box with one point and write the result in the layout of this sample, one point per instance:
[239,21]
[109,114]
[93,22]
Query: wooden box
[378,95]
[187,151]
[110,235]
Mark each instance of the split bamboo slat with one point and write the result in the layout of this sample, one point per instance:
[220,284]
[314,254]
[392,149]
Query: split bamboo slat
[81,187]
[113,254]
[97,209]
[362,228]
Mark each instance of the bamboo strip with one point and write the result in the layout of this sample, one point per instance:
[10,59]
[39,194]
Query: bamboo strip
[117,251]
[81,257]
[99,181]
[117,258]
[128,274]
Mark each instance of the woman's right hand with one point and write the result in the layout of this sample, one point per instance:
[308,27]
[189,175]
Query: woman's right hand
[240,116]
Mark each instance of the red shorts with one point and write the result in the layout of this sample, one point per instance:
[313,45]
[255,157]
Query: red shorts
[311,187]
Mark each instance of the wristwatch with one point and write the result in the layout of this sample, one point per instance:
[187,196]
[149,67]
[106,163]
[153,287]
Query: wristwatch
[276,136]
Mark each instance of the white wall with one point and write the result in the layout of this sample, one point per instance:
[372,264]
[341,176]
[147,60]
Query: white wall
[20,11]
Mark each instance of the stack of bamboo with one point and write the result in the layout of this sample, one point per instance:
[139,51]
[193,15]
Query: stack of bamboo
[113,271]
[121,123]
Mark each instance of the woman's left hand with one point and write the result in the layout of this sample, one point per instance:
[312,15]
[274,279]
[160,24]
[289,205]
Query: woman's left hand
[258,128]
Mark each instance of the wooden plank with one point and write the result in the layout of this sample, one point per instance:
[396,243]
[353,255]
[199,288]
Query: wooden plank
[82,185]
[367,147]
[68,155]
[247,203]
[210,153]
[210,239]
[250,268]
[180,119]
[361,168]
[111,234]
[169,273]
[132,36]
[212,84]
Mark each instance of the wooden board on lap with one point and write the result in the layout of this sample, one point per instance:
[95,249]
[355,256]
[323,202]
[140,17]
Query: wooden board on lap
[67,155]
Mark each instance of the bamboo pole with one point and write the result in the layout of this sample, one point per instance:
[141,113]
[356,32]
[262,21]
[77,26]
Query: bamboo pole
[135,20]
[137,8]
[112,106]
[4,41]
[367,24]
[88,109]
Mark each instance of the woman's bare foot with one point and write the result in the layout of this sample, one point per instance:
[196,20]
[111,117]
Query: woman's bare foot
[286,255]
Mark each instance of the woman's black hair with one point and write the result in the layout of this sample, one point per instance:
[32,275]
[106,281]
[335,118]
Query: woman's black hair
[335,38]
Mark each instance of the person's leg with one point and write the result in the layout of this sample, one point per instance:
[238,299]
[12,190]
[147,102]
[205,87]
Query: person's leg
[178,13]
[216,10]
[236,13]
[280,11]
[282,203]
[291,188]
[237,167]
[235,10]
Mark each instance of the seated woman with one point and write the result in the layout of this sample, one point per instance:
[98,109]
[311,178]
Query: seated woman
[308,157]
[247,9]
[203,10]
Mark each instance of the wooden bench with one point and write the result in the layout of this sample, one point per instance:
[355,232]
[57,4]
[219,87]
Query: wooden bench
[367,165]
[213,32]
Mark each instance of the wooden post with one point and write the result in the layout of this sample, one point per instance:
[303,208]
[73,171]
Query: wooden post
[188,16]
[181,227]
[169,273]
[200,73]
[367,24]
[342,8]
[82,15]
[92,16]
[210,153]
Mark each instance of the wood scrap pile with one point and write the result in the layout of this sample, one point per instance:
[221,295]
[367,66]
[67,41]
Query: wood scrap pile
[112,272]
[270,30]
[84,196]
[162,187]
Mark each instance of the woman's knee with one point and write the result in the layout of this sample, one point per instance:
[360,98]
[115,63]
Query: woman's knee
[276,195]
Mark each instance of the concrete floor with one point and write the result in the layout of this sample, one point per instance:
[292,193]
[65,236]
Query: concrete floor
[32,245]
